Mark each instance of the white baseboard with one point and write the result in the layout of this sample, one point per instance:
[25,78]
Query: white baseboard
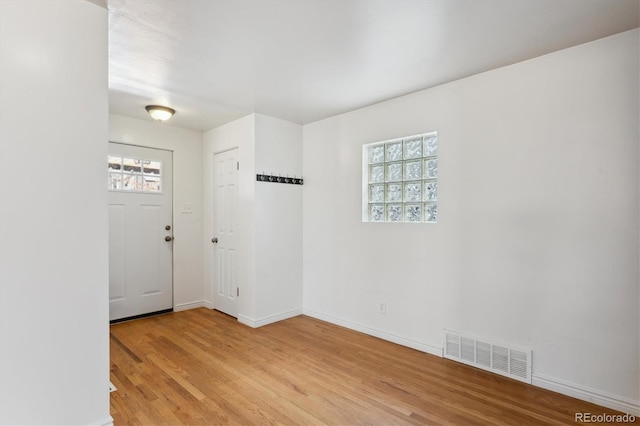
[186,306]
[591,395]
[255,323]
[106,422]
[207,304]
[433,350]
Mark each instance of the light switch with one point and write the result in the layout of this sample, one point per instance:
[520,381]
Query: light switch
[186,208]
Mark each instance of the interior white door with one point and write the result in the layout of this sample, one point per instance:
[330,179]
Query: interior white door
[140,231]
[225,212]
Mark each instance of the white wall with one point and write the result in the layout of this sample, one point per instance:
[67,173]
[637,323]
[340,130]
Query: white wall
[187,188]
[278,220]
[537,240]
[54,344]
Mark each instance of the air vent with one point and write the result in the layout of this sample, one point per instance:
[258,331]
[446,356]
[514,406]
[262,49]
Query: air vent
[506,360]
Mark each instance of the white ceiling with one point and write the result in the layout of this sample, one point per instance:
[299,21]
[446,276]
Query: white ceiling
[299,60]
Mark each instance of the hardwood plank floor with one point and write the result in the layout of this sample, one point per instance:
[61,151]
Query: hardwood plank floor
[201,367]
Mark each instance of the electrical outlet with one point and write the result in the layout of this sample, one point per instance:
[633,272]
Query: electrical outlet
[382,307]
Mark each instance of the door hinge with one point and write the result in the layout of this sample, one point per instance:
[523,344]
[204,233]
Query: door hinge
[238,291]
[237,165]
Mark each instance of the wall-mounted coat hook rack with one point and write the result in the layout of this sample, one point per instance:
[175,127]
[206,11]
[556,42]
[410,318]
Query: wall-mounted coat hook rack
[279,179]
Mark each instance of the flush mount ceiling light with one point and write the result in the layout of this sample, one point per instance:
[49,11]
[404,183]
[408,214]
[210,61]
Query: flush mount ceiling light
[160,113]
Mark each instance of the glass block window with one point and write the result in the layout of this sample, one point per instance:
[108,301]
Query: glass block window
[400,180]
[134,174]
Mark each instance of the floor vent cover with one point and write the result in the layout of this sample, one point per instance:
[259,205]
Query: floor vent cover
[507,360]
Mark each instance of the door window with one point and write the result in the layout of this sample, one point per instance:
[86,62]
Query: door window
[134,174]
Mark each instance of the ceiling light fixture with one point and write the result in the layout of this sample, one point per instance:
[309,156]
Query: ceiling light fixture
[160,113]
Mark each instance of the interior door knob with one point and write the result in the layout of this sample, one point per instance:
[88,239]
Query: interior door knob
[168,238]
[214,240]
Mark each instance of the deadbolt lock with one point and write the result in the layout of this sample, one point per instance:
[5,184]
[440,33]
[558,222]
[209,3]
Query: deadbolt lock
[168,227]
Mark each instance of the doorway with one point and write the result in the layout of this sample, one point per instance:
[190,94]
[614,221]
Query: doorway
[140,182]
[226,290]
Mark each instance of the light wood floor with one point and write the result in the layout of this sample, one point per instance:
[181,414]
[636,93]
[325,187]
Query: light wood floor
[203,367]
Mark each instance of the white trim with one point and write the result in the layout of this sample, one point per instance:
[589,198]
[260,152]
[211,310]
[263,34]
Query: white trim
[186,306]
[255,323]
[106,422]
[207,304]
[433,350]
[586,394]
[247,321]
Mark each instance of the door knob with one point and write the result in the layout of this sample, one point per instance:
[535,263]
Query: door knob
[214,240]
[168,238]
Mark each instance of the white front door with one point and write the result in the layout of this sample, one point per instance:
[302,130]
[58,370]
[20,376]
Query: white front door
[225,214]
[140,231]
